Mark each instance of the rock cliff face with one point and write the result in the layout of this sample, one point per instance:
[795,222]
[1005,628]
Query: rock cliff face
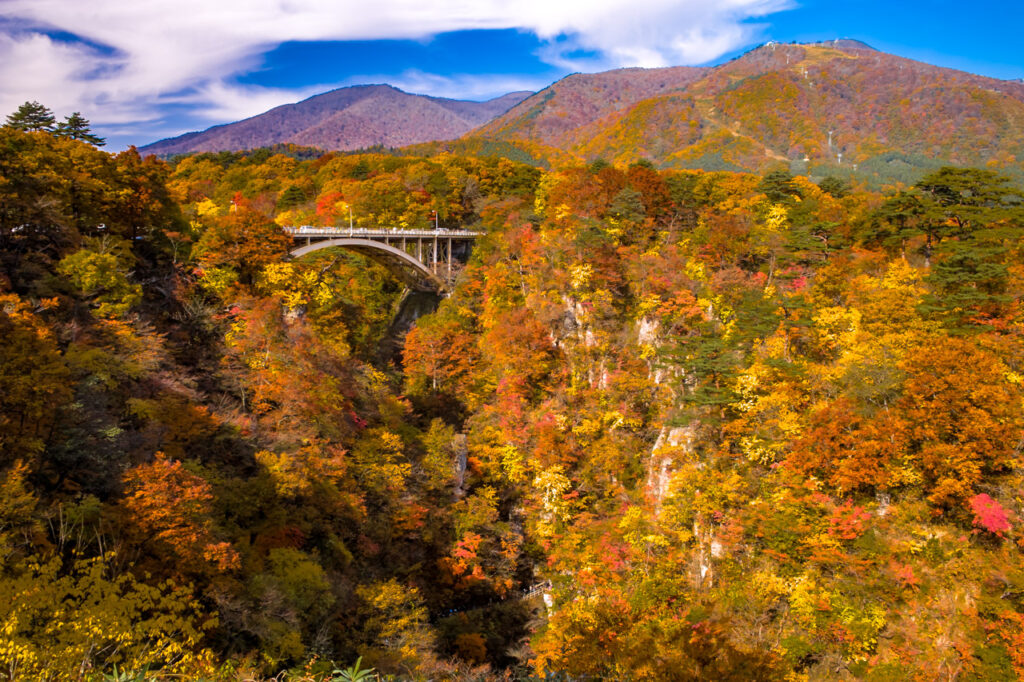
[345,119]
[672,441]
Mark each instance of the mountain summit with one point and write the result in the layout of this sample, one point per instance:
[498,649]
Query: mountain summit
[344,119]
[831,104]
[843,44]
[836,105]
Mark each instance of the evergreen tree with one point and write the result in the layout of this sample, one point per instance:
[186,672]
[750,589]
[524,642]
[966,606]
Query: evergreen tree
[33,117]
[77,127]
[292,196]
[968,283]
[974,217]
[962,200]
[778,187]
[898,219]
[360,171]
[837,187]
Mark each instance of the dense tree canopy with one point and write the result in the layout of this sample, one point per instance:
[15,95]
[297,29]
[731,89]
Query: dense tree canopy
[724,426]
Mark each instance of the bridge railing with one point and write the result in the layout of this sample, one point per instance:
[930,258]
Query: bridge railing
[316,231]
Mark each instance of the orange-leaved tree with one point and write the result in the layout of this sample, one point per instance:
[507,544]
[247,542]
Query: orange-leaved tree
[171,508]
[244,241]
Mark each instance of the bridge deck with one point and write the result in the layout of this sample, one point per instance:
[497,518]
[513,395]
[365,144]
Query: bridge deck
[313,232]
[427,260]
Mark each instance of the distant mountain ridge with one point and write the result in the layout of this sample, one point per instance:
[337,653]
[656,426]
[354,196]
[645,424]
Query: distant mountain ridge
[344,119]
[562,114]
[826,107]
[833,104]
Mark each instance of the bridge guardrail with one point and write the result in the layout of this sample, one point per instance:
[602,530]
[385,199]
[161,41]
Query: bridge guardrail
[312,231]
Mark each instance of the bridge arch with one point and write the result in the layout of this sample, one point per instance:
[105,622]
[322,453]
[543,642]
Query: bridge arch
[406,267]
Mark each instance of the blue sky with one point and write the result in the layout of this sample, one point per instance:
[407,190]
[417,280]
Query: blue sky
[143,70]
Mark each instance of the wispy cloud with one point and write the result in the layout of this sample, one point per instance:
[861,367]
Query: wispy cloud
[456,86]
[225,101]
[134,57]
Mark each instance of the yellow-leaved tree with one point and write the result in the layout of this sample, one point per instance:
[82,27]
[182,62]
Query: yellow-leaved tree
[61,619]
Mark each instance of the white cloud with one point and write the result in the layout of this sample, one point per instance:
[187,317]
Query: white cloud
[161,47]
[456,86]
[224,101]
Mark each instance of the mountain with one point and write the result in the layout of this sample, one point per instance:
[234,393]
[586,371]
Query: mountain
[824,105]
[837,106]
[564,114]
[344,119]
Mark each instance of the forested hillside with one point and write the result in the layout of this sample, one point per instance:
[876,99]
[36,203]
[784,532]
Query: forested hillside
[837,107]
[833,108]
[728,426]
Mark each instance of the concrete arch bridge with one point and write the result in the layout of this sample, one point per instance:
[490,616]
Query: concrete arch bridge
[426,260]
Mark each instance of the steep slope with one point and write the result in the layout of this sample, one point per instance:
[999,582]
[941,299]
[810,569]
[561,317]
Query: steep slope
[561,114]
[344,119]
[837,103]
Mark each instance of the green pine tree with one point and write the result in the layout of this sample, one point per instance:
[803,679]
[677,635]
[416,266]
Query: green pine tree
[77,127]
[290,197]
[837,187]
[32,117]
[778,187]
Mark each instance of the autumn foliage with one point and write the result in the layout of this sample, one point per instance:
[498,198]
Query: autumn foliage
[669,424]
